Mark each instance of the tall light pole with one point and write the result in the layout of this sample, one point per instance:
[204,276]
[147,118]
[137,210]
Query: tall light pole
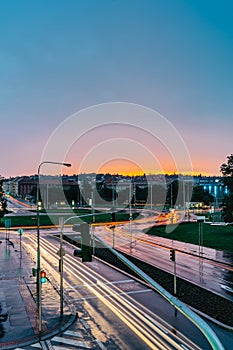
[38,281]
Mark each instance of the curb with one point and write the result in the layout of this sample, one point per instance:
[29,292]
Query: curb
[213,320]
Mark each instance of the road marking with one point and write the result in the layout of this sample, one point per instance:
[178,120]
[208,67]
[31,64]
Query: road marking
[85,325]
[116,282]
[81,286]
[75,334]
[46,345]
[71,342]
[61,348]
[184,347]
[109,295]
[100,344]
[36,345]
[137,291]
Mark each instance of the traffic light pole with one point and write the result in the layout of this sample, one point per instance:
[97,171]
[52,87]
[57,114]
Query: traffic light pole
[174,272]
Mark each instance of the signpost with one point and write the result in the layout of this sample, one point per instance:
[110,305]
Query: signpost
[7,223]
[20,232]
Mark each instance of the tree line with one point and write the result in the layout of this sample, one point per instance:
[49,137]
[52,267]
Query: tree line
[168,195]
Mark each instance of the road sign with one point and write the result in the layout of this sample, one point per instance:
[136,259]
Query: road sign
[20,231]
[7,223]
[200,218]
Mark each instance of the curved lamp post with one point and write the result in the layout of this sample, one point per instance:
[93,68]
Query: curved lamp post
[38,282]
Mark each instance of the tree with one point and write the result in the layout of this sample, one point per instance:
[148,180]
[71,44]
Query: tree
[141,195]
[227,171]
[227,168]
[201,195]
[172,193]
[3,201]
[107,194]
[159,193]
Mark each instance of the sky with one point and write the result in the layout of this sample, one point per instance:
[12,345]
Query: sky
[59,57]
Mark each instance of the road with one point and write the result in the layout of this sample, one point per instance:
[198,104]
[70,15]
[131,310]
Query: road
[206,267]
[19,207]
[129,314]
[127,301]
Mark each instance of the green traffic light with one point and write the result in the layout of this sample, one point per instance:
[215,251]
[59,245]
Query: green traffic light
[43,278]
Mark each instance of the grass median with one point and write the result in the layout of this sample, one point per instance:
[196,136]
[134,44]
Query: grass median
[51,218]
[214,236]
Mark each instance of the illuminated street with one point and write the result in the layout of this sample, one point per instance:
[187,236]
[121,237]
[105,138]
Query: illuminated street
[114,307]
[213,269]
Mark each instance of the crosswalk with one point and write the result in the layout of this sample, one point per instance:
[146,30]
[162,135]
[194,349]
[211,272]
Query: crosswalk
[69,340]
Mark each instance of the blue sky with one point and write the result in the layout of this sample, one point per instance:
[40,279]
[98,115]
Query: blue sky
[58,57]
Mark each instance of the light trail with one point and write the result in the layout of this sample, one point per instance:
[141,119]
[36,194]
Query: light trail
[152,330]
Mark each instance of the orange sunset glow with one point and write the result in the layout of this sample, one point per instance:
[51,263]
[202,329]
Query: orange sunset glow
[121,166]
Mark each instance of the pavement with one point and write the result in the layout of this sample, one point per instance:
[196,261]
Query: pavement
[19,324]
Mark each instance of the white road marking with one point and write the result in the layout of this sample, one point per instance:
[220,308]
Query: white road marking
[101,345]
[36,345]
[122,293]
[61,348]
[80,286]
[75,334]
[69,341]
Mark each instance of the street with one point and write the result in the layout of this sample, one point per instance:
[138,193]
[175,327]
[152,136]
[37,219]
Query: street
[211,269]
[119,307]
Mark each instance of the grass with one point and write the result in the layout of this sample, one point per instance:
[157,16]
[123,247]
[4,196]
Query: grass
[52,218]
[217,237]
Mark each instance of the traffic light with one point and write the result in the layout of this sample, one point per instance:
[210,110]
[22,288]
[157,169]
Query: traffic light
[43,278]
[172,254]
[86,241]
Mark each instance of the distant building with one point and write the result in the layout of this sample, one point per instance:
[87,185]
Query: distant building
[212,184]
[27,186]
[10,186]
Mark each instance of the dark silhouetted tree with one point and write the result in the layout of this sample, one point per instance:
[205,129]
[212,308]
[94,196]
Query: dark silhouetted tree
[227,171]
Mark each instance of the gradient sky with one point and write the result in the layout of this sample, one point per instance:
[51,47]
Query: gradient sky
[60,56]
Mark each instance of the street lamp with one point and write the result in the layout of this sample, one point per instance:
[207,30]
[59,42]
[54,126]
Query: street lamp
[38,282]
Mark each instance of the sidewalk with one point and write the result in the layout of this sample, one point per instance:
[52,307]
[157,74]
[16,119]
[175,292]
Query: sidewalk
[18,308]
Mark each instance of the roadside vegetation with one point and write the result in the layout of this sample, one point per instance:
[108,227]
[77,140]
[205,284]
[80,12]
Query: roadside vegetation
[51,218]
[214,236]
